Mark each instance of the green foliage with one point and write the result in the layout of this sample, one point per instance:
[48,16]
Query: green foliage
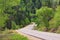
[11,35]
[3,5]
[14,26]
[57,16]
[27,21]
[3,18]
[16,14]
[44,15]
[55,22]
[14,37]
[48,19]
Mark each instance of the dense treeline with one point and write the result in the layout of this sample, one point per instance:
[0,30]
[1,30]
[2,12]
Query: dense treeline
[18,12]
[15,14]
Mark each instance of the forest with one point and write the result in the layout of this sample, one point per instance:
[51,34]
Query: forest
[15,14]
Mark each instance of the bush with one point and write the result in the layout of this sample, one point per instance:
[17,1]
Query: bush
[14,26]
[57,16]
[44,15]
[55,22]
[27,21]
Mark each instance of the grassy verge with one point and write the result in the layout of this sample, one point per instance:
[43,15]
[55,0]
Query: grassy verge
[11,35]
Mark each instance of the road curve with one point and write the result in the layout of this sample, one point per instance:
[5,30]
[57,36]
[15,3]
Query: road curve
[43,35]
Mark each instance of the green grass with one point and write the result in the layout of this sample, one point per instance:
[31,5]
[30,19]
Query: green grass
[9,35]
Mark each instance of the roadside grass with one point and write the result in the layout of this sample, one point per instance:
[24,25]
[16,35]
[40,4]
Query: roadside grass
[11,35]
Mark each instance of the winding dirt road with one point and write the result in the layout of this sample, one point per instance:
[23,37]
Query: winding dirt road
[28,30]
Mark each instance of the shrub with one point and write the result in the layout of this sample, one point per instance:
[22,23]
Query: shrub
[14,26]
[44,15]
[55,22]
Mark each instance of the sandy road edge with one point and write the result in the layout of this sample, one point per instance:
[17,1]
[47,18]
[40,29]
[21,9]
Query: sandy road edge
[28,36]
